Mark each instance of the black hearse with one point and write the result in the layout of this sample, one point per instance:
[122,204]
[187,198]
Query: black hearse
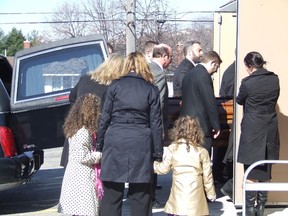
[18,163]
[34,101]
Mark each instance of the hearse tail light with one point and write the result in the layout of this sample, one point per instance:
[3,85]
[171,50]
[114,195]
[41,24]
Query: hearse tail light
[63,97]
[7,142]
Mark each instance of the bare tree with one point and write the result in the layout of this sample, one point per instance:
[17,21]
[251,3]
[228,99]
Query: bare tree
[108,18]
[204,31]
[69,21]
[155,20]
[151,17]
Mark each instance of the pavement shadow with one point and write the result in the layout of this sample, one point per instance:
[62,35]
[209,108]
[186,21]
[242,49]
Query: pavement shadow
[215,208]
[42,192]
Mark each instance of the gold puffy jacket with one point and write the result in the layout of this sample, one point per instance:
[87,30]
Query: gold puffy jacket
[192,178]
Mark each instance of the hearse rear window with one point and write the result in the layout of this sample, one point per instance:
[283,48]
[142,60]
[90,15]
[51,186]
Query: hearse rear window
[46,73]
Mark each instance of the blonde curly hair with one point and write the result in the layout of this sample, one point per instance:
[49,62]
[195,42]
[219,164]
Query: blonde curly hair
[188,128]
[109,70]
[85,112]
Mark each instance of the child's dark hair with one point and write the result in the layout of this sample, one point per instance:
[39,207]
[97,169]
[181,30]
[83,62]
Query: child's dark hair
[85,112]
[188,128]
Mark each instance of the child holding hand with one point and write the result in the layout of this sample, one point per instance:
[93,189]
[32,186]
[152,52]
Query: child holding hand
[78,192]
[191,166]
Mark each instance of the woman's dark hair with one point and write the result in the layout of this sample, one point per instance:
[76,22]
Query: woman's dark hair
[254,59]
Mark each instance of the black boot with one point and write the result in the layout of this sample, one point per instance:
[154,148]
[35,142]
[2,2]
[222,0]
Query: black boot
[227,188]
[261,201]
[250,203]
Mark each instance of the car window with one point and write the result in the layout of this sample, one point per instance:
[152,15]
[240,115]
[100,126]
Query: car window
[45,74]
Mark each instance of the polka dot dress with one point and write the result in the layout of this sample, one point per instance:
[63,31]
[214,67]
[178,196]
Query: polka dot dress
[78,195]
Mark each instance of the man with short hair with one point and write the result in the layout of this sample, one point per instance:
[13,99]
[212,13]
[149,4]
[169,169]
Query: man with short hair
[148,49]
[198,99]
[162,57]
[193,53]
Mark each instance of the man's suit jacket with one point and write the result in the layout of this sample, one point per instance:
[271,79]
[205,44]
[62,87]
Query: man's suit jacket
[160,81]
[227,83]
[198,99]
[182,69]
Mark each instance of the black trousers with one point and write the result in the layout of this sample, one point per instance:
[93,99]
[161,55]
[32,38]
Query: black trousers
[218,154]
[65,154]
[208,143]
[139,198]
[154,186]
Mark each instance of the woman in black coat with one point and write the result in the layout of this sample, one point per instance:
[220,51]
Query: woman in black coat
[95,82]
[259,138]
[129,136]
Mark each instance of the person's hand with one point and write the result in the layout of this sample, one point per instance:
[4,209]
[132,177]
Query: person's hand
[98,156]
[212,198]
[154,165]
[157,156]
[215,133]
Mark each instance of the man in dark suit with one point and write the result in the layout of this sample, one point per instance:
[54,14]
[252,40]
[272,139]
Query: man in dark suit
[227,90]
[193,53]
[227,83]
[198,99]
[162,57]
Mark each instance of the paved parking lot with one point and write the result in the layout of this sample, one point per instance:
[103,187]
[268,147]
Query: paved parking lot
[44,191]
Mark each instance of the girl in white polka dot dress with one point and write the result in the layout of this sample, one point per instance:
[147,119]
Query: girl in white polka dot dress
[78,194]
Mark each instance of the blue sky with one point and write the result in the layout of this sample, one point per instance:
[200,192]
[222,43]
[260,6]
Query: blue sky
[24,6]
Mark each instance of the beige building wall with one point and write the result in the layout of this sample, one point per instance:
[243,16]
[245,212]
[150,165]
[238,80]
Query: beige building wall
[224,43]
[262,26]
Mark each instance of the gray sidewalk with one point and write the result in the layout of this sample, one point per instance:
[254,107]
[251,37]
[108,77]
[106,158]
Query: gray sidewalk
[222,205]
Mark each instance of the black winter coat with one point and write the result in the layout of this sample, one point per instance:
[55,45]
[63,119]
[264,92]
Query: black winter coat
[130,130]
[259,139]
[86,85]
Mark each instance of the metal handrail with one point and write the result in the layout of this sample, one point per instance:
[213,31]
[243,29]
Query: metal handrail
[261,186]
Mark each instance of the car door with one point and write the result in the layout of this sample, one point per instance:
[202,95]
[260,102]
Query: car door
[43,77]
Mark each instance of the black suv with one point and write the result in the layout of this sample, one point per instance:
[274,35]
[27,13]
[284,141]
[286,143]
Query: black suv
[34,101]
[18,163]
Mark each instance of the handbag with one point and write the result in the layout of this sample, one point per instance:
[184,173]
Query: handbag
[97,167]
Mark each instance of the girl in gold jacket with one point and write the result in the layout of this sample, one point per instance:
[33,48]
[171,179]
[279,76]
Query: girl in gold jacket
[192,173]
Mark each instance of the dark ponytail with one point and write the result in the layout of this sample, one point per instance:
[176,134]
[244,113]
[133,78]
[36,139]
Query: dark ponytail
[254,59]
